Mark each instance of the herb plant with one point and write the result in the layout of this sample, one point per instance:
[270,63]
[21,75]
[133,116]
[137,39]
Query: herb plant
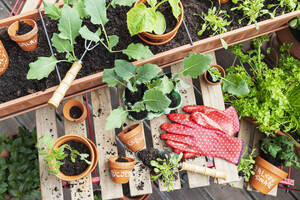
[295,23]
[246,166]
[148,19]
[70,27]
[286,5]
[54,157]
[166,169]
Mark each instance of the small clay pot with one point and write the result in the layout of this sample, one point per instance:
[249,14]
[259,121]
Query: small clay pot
[266,176]
[223,1]
[155,39]
[4,60]
[120,171]
[220,70]
[67,109]
[28,41]
[133,137]
[93,155]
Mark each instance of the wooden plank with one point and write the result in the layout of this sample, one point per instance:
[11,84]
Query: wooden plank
[31,5]
[82,188]
[106,143]
[188,98]
[51,187]
[213,97]
[226,192]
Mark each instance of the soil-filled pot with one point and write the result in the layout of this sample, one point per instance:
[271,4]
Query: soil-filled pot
[93,157]
[155,39]
[120,168]
[266,176]
[27,41]
[207,77]
[289,36]
[4,60]
[74,111]
[133,137]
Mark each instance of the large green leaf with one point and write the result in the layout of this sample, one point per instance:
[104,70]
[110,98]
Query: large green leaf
[61,45]
[152,3]
[163,84]
[122,3]
[235,85]
[156,101]
[80,7]
[160,25]
[111,78]
[175,8]
[52,11]
[196,64]
[113,41]
[116,118]
[69,24]
[41,68]
[97,10]
[88,35]
[124,69]
[140,19]
[137,51]
[146,72]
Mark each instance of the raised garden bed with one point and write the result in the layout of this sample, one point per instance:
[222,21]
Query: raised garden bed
[166,55]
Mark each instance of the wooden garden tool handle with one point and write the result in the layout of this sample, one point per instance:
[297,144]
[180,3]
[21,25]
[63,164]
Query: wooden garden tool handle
[64,85]
[203,170]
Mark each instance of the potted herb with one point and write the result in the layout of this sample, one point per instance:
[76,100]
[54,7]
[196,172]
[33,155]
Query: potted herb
[275,151]
[133,137]
[120,168]
[74,111]
[4,60]
[214,74]
[246,166]
[70,157]
[143,20]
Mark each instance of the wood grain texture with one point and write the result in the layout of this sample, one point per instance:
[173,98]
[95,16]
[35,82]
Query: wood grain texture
[188,98]
[51,187]
[106,143]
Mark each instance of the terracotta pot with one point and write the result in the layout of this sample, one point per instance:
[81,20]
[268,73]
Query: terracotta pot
[266,176]
[120,171]
[67,109]
[28,41]
[220,70]
[223,1]
[4,60]
[96,153]
[142,197]
[4,153]
[285,36]
[133,137]
[72,137]
[155,39]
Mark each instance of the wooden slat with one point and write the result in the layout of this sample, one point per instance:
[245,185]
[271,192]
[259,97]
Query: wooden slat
[82,188]
[51,187]
[106,143]
[188,98]
[31,5]
[212,96]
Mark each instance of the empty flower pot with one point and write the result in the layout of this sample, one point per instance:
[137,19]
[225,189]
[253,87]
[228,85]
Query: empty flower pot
[120,168]
[27,41]
[4,60]
[266,176]
[133,137]
[74,111]
[206,74]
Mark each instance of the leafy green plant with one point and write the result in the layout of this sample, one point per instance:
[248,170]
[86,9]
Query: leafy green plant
[19,174]
[246,166]
[141,18]
[165,169]
[252,10]
[54,157]
[280,148]
[155,98]
[286,5]
[295,23]
[70,26]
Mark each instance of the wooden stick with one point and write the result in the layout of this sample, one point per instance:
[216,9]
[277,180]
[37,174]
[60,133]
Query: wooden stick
[204,170]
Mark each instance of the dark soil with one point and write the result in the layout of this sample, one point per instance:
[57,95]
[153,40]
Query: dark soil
[276,162]
[171,21]
[121,160]
[138,115]
[133,97]
[14,83]
[146,155]
[71,169]
[174,102]
[23,28]
[75,112]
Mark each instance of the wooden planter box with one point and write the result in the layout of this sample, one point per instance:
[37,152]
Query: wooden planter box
[167,58]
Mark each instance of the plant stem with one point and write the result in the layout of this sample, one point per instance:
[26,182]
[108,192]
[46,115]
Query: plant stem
[109,5]
[159,4]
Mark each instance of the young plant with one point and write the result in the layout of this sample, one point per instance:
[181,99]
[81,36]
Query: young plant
[166,169]
[295,23]
[148,19]
[54,157]
[70,27]
[246,166]
[286,5]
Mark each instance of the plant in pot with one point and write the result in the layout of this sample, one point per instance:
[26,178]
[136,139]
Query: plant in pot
[147,93]
[120,168]
[275,151]
[74,111]
[133,137]
[4,60]
[143,20]
[246,166]
[70,157]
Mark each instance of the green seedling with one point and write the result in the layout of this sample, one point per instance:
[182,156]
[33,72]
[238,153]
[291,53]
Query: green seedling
[246,166]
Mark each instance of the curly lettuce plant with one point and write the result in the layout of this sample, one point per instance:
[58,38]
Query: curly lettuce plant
[70,27]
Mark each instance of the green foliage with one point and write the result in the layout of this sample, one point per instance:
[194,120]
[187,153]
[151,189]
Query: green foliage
[137,51]
[295,23]
[246,166]
[52,11]
[155,100]
[286,5]
[41,68]
[122,3]
[280,148]
[19,174]
[214,73]
[166,168]
[116,118]
[141,18]
[196,64]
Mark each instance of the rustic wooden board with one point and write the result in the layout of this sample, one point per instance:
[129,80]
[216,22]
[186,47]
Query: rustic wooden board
[106,143]
[188,98]
[213,97]
[51,187]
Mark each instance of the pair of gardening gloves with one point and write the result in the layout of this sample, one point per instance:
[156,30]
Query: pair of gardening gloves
[205,131]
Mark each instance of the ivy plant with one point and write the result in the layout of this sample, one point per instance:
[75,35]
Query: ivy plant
[70,26]
[246,166]
[141,18]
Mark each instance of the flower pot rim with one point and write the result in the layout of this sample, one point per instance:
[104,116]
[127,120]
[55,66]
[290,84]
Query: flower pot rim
[270,167]
[113,164]
[26,36]
[220,69]
[70,104]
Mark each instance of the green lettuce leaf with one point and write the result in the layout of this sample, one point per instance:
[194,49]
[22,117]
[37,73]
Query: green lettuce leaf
[160,25]
[122,3]
[146,72]
[137,51]
[111,78]
[124,69]
[235,85]
[42,67]
[61,45]
[80,7]
[113,41]
[156,101]
[52,11]
[196,64]
[175,8]
[97,10]
[89,35]
[116,118]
